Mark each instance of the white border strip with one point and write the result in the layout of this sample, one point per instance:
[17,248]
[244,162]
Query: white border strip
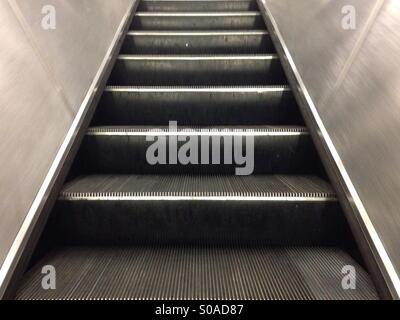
[199,33]
[199,14]
[196,89]
[198,58]
[376,241]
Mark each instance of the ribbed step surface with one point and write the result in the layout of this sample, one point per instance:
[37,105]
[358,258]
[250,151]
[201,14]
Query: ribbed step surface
[199,272]
[131,209]
[198,106]
[197,21]
[197,70]
[251,187]
[197,5]
[236,150]
[197,42]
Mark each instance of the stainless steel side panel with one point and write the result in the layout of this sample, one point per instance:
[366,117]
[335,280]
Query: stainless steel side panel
[47,79]
[350,80]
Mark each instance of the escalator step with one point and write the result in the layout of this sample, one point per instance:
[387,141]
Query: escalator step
[208,70]
[229,150]
[199,106]
[197,5]
[197,21]
[197,42]
[196,272]
[131,209]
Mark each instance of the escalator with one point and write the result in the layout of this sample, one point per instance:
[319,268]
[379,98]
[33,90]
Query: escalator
[126,228]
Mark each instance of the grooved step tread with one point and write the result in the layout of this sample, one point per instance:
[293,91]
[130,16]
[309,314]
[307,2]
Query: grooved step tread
[271,88]
[268,130]
[197,272]
[227,186]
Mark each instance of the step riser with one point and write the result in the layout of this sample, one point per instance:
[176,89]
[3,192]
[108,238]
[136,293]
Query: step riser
[198,108]
[128,155]
[185,222]
[203,6]
[198,44]
[180,72]
[186,23]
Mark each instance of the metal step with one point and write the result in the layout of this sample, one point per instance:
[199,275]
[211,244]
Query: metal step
[197,42]
[197,272]
[197,5]
[169,21]
[132,209]
[179,70]
[267,149]
[199,106]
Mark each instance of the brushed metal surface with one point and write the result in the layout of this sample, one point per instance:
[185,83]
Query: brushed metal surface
[74,51]
[352,78]
[45,79]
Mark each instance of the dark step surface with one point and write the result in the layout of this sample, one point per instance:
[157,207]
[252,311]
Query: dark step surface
[181,70]
[197,42]
[234,150]
[197,5]
[273,105]
[197,272]
[172,21]
[130,209]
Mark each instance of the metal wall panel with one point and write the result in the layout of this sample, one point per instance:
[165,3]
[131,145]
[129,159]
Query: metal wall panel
[352,78]
[365,126]
[45,77]
[34,119]
[313,32]
[84,31]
